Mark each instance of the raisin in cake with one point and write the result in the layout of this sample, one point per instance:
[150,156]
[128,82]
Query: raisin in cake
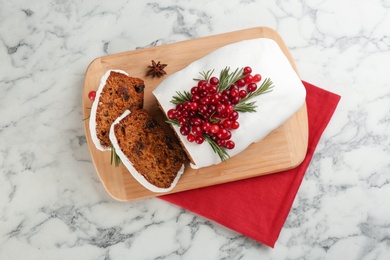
[273,109]
[151,156]
[117,93]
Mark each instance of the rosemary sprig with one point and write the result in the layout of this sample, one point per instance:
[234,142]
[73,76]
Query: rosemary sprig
[214,119]
[115,157]
[265,87]
[181,97]
[226,79]
[244,106]
[221,151]
[173,122]
[205,75]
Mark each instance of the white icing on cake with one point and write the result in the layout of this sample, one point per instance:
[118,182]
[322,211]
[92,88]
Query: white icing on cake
[92,118]
[126,162]
[265,57]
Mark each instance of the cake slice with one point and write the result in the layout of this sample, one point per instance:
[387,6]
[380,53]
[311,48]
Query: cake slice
[151,156]
[117,93]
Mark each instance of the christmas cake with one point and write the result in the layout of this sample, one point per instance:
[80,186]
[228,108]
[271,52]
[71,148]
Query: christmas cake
[243,91]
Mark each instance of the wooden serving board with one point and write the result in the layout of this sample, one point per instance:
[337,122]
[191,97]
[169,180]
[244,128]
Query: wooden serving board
[282,149]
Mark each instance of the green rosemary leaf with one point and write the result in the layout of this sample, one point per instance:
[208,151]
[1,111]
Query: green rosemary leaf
[221,151]
[114,157]
[208,75]
[246,107]
[112,154]
[265,87]
[117,159]
[181,97]
[214,120]
[226,79]
[173,122]
[205,75]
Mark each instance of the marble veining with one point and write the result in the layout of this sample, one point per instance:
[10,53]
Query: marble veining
[52,204]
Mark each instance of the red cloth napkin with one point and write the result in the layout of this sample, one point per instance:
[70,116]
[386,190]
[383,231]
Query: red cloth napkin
[258,207]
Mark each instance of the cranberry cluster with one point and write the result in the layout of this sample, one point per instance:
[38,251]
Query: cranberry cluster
[210,111]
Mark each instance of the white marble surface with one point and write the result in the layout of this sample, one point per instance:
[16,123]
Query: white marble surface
[52,205]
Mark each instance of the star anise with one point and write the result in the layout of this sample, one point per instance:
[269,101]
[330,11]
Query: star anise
[156,69]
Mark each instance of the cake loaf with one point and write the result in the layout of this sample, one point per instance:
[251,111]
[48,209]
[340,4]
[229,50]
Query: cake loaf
[117,93]
[262,55]
[151,156]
